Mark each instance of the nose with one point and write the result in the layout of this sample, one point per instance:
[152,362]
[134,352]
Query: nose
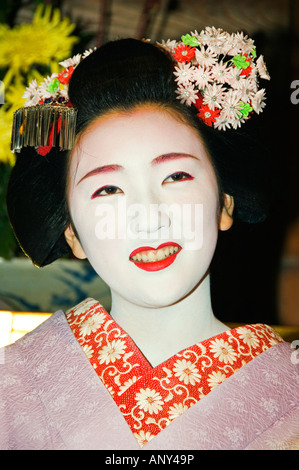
[148,220]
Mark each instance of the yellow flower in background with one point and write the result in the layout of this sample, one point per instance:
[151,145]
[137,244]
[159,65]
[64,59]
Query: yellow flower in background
[5,125]
[14,95]
[13,101]
[47,39]
[23,49]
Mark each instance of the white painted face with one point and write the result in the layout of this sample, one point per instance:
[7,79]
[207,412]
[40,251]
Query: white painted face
[141,180]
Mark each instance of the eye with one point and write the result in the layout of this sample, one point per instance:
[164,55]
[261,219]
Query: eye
[179,176]
[106,191]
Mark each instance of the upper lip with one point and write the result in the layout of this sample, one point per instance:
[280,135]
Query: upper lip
[147,248]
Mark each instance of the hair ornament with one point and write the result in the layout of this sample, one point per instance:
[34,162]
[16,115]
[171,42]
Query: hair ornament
[215,71]
[48,118]
[218,73]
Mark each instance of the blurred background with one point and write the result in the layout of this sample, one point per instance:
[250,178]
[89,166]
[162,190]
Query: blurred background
[255,272]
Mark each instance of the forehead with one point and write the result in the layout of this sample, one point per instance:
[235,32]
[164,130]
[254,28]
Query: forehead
[145,132]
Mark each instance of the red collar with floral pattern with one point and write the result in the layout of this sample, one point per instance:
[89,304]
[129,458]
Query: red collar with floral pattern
[150,398]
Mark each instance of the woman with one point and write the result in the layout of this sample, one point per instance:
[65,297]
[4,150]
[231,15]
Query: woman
[142,194]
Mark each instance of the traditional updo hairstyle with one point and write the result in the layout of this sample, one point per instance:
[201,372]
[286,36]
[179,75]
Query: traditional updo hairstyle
[121,75]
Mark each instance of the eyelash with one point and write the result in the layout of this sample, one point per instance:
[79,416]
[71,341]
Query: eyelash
[105,188]
[180,175]
[186,176]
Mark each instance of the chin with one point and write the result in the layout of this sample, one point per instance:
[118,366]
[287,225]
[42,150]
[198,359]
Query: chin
[161,297]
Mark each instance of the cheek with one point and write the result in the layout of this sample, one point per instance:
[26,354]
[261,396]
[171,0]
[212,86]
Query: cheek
[210,224]
[204,210]
[95,227]
[202,233]
[82,217]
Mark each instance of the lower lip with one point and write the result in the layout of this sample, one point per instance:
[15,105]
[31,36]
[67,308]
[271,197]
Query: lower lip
[158,265]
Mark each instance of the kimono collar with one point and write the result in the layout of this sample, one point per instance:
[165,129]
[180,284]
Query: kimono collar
[150,398]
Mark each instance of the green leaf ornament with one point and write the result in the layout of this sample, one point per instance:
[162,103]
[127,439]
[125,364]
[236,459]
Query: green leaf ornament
[53,86]
[190,40]
[240,61]
[245,109]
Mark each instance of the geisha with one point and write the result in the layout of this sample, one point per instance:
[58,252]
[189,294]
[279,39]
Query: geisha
[152,131]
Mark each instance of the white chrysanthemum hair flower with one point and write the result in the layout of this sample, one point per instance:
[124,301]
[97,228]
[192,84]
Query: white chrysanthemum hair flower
[258,102]
[214,37]
[73,61]
[206,56]
[221,72]
[187,94]
[245,44]
[169,45]
[88,52]
[183,73]
[31,94]
[214,95]
[202,76]
[231,105]
[262,69]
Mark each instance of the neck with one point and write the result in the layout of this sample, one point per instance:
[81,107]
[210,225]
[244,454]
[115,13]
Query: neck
[160,333]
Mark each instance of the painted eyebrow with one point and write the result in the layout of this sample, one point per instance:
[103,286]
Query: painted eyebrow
[160,159]
[101,169]
[172,156]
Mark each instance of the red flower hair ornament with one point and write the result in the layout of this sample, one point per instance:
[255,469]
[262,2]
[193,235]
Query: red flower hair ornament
[218,73]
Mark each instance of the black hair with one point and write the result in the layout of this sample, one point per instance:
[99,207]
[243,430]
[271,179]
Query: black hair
[37,204]
[121,75]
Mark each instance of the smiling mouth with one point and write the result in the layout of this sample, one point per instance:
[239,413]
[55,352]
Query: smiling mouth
[151,259]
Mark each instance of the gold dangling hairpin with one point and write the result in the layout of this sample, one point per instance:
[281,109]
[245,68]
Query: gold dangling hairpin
[48,118]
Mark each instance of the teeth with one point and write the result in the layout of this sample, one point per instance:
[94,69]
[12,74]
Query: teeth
[151,256]
[155,255]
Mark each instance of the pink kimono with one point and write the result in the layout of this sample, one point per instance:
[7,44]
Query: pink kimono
[79,382]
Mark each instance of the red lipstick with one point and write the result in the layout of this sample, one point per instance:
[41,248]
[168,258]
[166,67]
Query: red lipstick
[156,265]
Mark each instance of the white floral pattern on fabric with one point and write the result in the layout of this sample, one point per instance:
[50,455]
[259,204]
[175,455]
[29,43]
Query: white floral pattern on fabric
[151,398]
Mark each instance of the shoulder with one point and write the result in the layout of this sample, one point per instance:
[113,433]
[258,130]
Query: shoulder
[29,369]
[255,408]
[45,343]
[266,390]
[273,383]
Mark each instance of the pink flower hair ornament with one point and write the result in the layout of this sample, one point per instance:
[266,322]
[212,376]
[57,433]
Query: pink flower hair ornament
[215,71]
[218,73]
